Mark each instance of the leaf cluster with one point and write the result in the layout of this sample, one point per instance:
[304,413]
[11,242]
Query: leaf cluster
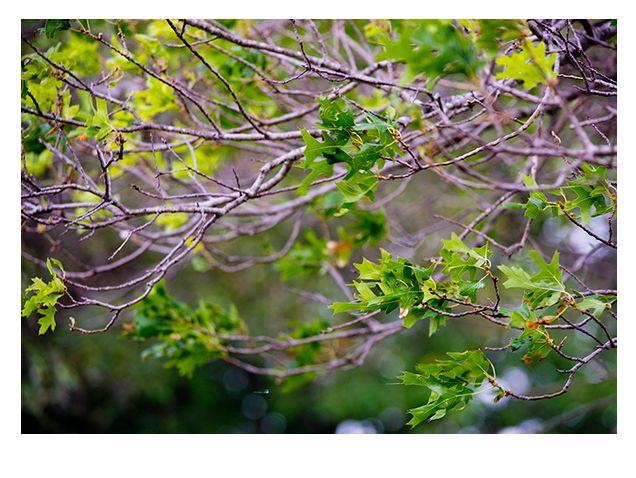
[439,48]
[42,297]
[452,383]
[392,284]
[186,337]
[311,255]
[362,147]
[543,292]
[304,258]
[306,354]
[544,288]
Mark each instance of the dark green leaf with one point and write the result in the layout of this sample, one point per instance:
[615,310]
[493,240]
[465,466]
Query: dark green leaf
[51,27]
[449,383]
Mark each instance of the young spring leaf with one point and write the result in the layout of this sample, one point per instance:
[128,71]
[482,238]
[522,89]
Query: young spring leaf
[42,297]
[549,272]
[530,65]
[47,320]
[544,288]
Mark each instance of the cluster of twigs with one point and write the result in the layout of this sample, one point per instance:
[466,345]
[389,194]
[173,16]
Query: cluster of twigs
[250,194]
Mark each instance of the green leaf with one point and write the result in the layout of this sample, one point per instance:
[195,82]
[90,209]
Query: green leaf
[592,304]
[549,272]
[491,34]
[539,293]
[335,116]
[435,48]
[185,336]
[544,288]
[319,168]
[537,201]
[455,244]
[452,383]
[364,159]
[103,133]
[29,306]
[50,266]
[513,205]
[43,297]
[469,288]
[366,293]
[363,186]
[101,113]
[373,122]
[156,99]
[49,300]
[436,322]
[517,278]
[47,320]
[588,196]
[369,270]
[480,254]
[457,266]
[51,27]
[538,342]
[92,131]
[314,148]
[519,316]
[530,65]
[399,286]
[99,125]
[413,315]
[340,307]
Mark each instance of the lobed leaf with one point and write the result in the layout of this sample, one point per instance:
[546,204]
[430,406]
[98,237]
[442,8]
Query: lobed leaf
[452,383]
[531,65]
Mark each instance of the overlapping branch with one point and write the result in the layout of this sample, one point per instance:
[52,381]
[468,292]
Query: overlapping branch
[476,137]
